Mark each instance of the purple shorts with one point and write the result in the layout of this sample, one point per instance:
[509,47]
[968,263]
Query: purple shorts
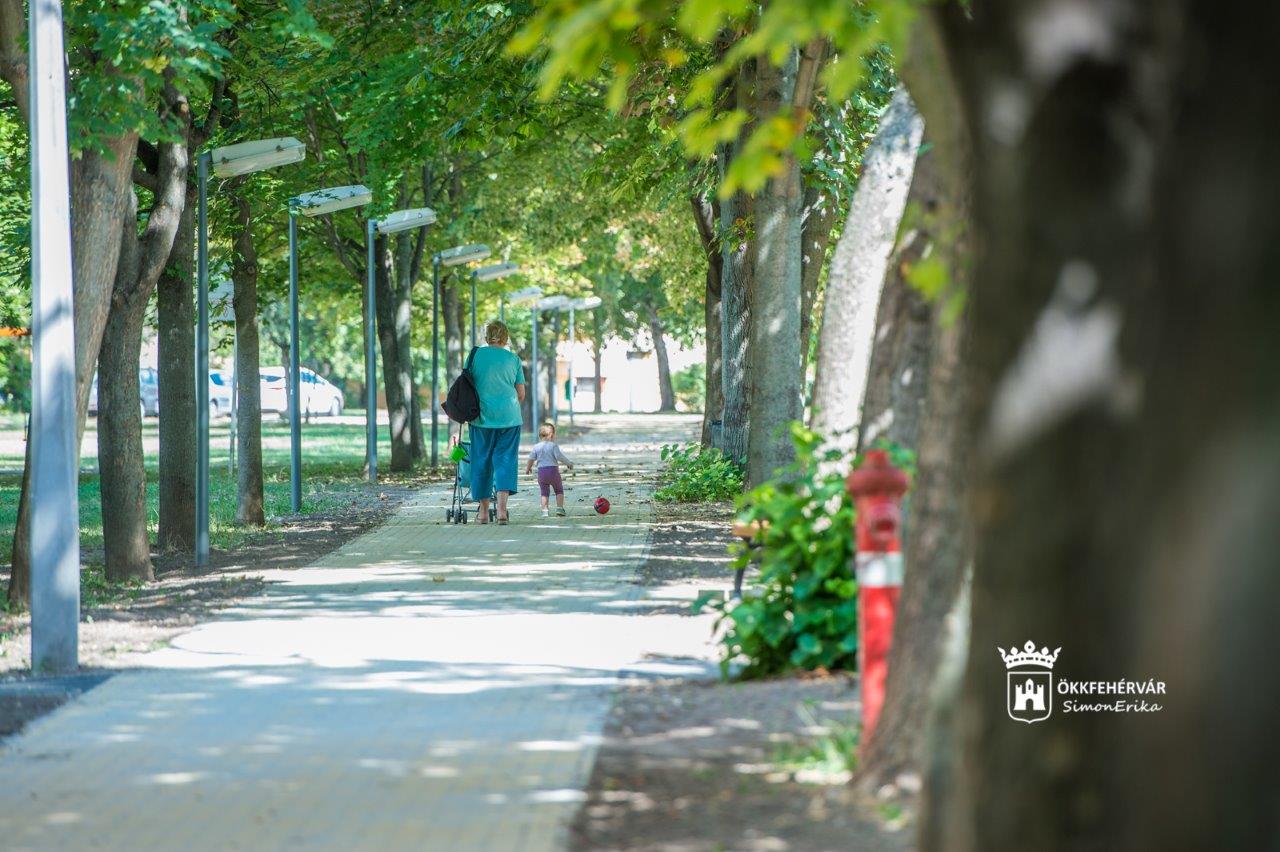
[549,479]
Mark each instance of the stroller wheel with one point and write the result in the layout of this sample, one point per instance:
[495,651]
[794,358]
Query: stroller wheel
[448,516]
[464,516]
[493,514]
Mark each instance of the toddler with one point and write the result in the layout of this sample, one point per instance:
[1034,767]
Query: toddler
[546,454]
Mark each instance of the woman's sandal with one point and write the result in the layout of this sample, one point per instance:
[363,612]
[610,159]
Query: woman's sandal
[502,522]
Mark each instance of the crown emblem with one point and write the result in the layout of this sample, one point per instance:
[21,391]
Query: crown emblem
[1029,656]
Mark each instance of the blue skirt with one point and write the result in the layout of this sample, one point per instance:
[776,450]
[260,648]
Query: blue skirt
[494,458]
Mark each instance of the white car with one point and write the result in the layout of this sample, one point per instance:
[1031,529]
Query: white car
[319,395]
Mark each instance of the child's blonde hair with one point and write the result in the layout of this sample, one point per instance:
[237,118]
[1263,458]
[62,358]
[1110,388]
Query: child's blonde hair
[547,431]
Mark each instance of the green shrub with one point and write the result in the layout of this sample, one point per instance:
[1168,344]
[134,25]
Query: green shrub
[801,612]
[690,387]
[694,474]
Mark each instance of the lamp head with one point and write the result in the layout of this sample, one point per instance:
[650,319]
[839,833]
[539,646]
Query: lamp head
[404,220]
[329,200]
[246,157]
[586,304]
[497,270]
[459,255]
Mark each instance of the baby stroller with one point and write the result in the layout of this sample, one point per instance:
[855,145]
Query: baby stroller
[457,513]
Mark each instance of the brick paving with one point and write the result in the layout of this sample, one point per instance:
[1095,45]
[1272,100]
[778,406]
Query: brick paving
[426,686]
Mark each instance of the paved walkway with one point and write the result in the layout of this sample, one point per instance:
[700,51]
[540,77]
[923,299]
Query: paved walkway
[427,686]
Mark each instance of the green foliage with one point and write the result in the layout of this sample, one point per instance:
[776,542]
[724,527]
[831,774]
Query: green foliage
[694,474]
[635,44]
[690,385]
[124,51]
[802,610]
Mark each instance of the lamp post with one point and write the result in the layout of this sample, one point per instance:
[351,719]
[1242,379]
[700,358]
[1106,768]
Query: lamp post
[550,303]
[392,223]
[240,159]
[55,462]
[309,204]
[487,273]
[587,304]
[455,256]
[530,296]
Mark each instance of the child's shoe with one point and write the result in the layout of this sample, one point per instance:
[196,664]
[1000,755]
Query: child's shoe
[545,513]
[560,512]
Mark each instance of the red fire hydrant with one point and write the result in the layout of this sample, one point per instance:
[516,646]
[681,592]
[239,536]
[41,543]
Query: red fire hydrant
[877,488]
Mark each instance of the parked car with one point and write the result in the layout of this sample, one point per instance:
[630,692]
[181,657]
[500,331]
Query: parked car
[148,389]
[219,394]
[319,395]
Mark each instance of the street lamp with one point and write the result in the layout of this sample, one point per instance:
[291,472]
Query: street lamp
[455,256]
[392,223]
[550,303]
[309,204]
[487,273]
[55,452]
[586,304]
[229,161]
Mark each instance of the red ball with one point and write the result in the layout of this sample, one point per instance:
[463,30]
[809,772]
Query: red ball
[602,505]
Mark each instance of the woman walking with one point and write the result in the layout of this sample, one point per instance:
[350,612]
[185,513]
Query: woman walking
[495,437]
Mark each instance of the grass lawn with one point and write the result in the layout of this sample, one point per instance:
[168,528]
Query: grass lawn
[332,470]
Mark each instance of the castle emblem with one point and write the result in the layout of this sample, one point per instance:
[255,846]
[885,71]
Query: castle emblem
[1029,682]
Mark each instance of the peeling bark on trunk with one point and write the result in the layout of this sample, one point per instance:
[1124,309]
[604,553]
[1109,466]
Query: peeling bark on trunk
[244,302]
[819,216]
[100,191]
[906,322]
[774,338]
[858,271]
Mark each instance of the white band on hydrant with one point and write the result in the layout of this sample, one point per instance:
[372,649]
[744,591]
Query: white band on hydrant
[879,569]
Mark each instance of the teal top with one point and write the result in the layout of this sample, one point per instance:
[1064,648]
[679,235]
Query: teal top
[496,372]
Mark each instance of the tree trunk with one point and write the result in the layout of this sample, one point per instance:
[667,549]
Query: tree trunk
[666,393]
[100,192]
[937,553]
[451,307]
[596,344]
[405,273]
[177,368]
[774,339]
[1125,414]
[706,215]
[915,398]
[898,378]
[820,211]
[858,272]
[395,383]
[737,271]
[244,302]
[122,475]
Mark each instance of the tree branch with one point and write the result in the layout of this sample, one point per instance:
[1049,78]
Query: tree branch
[13,61]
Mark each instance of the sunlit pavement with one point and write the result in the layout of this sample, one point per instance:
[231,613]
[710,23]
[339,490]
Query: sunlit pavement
[427,686]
